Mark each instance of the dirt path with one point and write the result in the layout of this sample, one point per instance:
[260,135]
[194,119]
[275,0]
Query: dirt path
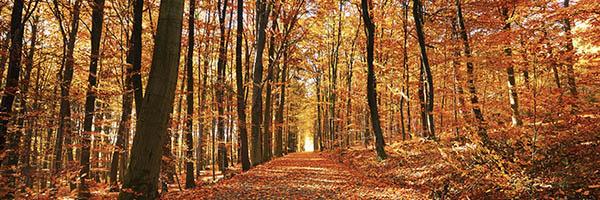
[298,176]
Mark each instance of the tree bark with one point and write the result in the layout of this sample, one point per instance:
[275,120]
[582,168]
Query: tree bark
[65,126]
[570,56]
[241,88]
[221,62]
[510,71]
[481,129]
[26,155]
[10,145]
[262,17]
[142,174]
[371,82]
[189,139]
[428,79]
[90,100]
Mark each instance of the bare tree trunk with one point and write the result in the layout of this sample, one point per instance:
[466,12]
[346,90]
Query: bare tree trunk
[90,100]
[510,71]
[241,88]
[481,129]
[371,82]
[222,151]
[262,17]
[189,139]
[570,56]
[418,16]
[10,145]
[268,113]
[26,154]
[142,174]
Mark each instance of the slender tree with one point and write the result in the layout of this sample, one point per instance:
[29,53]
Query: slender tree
[220,86]
[65,124]
[427,106]
[90,100]
[371,81]
[241,88]
[481,129]
[262,18]
[510,72]
[10,145]
[189,139]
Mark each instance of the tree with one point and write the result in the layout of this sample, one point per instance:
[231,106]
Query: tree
[66,77]
[90,100]
[241,88]
[132,72]
[189,140]
[10,90]
[481,129]
[141,179]
[427,106]
[221,63]
[371,82]
[262,18]
[510,71]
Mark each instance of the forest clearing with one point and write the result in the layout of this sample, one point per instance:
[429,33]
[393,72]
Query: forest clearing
[300,99]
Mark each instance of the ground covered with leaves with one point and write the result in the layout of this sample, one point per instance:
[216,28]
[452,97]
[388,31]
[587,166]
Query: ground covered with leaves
[300,176]
[558,160]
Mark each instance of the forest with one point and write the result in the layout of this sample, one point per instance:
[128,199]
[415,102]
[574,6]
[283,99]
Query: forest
[300,99]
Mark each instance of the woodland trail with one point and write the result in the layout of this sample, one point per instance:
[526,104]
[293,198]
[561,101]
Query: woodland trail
[299,176]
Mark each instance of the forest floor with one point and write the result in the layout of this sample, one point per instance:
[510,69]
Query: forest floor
[300,176]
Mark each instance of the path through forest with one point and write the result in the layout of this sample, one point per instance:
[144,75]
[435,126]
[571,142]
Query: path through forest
[299,176]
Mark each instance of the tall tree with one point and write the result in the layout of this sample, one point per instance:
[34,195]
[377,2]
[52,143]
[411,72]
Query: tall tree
[241,88]
[134,59]
[262,18]
[481,129]
[371,81]
[90,100]
[510,72]
[268,114]
[10,145]
[189,139]
[221,63]
[141,179]
[570,55]
[66,77]
[26,154]
[427,106]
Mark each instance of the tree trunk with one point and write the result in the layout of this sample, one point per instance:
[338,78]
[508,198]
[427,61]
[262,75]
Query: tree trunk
[570,56]
[262,17]
[371,82]
[241,88]
[65,124]
[510,71]
[90,100]
[10,145]
[142,174]
[279,114]
[268,114]
[428,79]
[481,129]
[189,139]
[26,155]
[222,151]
